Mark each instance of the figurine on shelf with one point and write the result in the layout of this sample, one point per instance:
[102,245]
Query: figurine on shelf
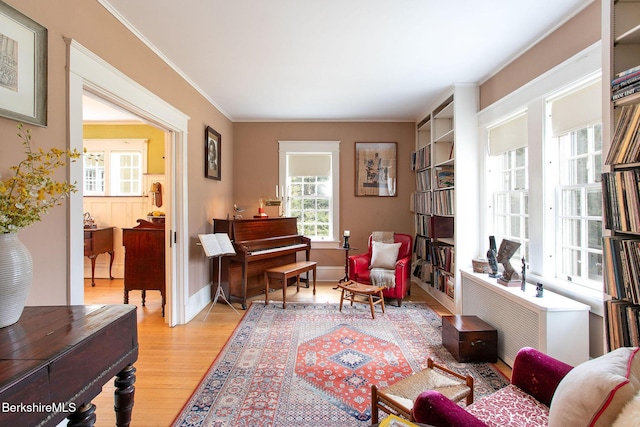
[491,257]
[509,275]
[523,285]
[539,290]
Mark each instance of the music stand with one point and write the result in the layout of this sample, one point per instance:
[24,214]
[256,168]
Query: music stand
[216,246]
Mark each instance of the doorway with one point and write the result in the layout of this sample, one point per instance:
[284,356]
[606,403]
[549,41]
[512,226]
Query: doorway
[90,74]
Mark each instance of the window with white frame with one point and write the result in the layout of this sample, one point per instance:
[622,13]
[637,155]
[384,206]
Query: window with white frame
[309,177]
[577,137]
[114,167]
[509,182]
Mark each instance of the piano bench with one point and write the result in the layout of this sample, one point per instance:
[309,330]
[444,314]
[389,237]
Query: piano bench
[284,273]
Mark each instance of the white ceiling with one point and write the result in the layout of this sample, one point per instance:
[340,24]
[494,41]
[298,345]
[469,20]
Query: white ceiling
[347,60]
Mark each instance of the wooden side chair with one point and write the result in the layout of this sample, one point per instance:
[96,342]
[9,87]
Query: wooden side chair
[398,398]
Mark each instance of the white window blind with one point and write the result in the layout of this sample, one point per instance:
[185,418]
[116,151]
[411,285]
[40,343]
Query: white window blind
[508,136]
[576,109]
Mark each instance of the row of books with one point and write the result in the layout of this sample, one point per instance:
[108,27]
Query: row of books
[445,176]
[625,83]
[621,200]
[622,279]
[421,158]
[443,202]
[625,144]
[423,180]
[422,248]
[445,283]
[442,257]
[422,203]
[422,270]
[623,320]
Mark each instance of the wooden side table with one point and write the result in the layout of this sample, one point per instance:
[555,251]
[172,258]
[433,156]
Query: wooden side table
[346,262]
[96,242]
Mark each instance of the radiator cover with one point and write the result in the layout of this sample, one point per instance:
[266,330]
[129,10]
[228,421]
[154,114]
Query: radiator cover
[553,324]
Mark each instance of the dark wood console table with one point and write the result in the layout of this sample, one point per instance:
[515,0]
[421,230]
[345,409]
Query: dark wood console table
[98,241]
[55,360]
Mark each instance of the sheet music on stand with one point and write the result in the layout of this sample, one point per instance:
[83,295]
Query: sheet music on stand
[216,246]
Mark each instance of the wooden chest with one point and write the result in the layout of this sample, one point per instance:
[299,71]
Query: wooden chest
[470,339]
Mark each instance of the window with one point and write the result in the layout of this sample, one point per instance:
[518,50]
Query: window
[309,176]
[575,149]
[542,189]
[114,167]
[579,242]
[508,166]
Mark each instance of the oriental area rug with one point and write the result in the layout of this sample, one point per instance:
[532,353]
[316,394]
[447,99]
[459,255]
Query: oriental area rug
[312,365]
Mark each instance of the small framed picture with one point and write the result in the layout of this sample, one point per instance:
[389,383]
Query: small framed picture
[376,169]
[212,155]
[23,67]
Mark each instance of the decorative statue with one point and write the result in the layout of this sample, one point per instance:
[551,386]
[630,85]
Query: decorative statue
[539,290]
[523,284]
[507,249]
[491,257]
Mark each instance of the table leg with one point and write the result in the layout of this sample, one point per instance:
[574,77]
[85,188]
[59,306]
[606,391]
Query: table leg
[284,291]
[93,269]
[382,300]
[373,313]
[123,395]
[111,264]
[314,279]
[266,288]
[84,416]
[341,299]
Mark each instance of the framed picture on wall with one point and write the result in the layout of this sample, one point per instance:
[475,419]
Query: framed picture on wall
[212,156]
[376,169]
[23,67]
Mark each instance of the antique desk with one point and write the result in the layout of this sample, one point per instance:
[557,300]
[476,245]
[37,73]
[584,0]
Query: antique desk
[96,242]
[56,359]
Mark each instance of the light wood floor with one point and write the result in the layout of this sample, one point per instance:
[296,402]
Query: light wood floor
[172,361]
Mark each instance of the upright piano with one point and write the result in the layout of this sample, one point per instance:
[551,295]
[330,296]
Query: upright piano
[260,244]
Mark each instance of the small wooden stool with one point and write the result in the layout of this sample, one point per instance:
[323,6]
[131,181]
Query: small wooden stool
[398,398]
[354,289]
[284,273]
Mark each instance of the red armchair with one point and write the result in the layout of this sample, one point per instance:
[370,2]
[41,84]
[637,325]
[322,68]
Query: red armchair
[360,272]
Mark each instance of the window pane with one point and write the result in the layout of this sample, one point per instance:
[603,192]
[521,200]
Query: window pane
[515,226]
[594,202]
[595,266]
[571,235]
[571,262]
[581,171]
[571,202]
[521,157]
[581,145]
[595,234]
[515,203]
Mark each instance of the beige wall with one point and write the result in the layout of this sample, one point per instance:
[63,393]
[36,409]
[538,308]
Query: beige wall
[577,34]
[256,173]
[91,25]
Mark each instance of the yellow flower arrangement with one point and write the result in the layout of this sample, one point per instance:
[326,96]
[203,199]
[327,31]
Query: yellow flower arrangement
[31,191]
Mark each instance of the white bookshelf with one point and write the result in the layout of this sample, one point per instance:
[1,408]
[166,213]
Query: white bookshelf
[449,134]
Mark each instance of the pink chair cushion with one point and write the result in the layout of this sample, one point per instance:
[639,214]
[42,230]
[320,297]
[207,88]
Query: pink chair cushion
[510,407]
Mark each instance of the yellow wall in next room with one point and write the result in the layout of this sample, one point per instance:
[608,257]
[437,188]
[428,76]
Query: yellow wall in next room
[155,146]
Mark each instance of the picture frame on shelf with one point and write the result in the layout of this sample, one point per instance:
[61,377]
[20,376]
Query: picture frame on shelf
[376,169]
[23,68]
[212,154]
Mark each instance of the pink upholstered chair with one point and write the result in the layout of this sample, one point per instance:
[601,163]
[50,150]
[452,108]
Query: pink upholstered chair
[360,271]
[600,392]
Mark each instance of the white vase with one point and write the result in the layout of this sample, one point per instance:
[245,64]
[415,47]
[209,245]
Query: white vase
[16,272]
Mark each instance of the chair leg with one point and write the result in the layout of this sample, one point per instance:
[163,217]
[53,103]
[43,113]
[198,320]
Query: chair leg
[374,404]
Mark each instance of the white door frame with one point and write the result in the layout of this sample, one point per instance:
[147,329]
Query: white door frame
[89,72]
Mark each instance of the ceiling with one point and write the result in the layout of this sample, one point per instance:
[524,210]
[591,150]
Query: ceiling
[342,60]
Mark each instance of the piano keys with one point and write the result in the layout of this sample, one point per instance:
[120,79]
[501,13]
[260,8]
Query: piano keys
[259,244]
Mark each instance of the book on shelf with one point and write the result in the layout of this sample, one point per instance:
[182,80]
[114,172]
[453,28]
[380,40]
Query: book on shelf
[445,176]
[625,144]
[622,278]
[625,91]
[623,323]
[217,244]
[621,200]
[627,72]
